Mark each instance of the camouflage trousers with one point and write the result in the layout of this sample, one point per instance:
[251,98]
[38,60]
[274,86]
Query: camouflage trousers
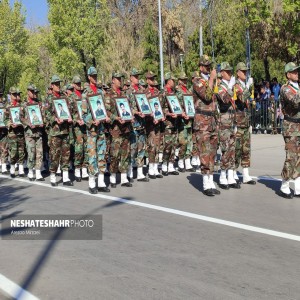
[162,137]
[242,148]
[3,149]
[195,150]
[59,152]
[96,151]
[120,153]
[170,142]
[16,149]
[153,145]
[137,147]
[34,147]
[185,143]
[80,152]
[108,145]
[227,146]
[291,167]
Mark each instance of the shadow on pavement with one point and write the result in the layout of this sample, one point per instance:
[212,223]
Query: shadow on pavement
[271,184]
[195,179]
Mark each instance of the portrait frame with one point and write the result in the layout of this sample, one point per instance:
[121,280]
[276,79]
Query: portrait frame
[93,104]
[78,104]
[188,98]
[125,102]
[38,113]
[12,113]
[139,97]
[177,109]
[2,113]
[65,109]
[152,101]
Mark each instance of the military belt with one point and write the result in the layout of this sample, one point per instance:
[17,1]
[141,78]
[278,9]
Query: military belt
[206,113]
[294,120]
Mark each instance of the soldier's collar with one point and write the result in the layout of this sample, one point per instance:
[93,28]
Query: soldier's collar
[225,81]
[294,84]
[205,76]
[243,83]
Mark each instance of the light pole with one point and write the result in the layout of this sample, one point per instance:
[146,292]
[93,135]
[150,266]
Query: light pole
[160,46]
[248,48]
[200,30]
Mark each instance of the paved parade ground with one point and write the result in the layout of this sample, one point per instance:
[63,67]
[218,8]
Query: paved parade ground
[161,240]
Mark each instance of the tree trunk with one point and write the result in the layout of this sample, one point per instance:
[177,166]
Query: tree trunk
[267,68]
[81,52]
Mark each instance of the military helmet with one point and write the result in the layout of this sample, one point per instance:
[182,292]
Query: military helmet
[204,60]
[241,66]
[290,67]
[225,66]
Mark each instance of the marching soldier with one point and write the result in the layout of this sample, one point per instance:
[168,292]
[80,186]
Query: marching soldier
[137,136]
[3,136]
[226,127]
[243,142]
[120,133]
[205,124]
[33,135]
[290,100]
[153,127]
[59,136]
[184,129]
[170,129]
[16,139]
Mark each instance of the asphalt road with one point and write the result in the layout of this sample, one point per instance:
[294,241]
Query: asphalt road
[154,252]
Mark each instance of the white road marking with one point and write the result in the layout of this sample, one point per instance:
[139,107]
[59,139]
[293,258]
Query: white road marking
[172,211]
[13,290]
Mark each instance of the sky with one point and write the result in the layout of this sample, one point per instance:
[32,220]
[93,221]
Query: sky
[36,12]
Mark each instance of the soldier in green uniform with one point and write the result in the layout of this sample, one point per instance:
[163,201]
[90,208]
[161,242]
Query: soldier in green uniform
[205,123]
[243,135]
[170,128]
[3,136]
[137,135]
[290,100]
[59,136]
[96,143]
[184,129]
[33,136]
[226,120]
[16,139]
[120,133]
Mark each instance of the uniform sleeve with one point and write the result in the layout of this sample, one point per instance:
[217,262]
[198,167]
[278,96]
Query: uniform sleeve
[24,116]
[225,95]
[203,92]
[289,97]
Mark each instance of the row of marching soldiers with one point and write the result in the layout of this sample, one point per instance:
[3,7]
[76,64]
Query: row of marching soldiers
[220,120]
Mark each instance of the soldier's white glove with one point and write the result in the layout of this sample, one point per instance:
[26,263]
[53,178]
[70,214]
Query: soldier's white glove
[235,129]
[231,82]
[250,129]
[249,83]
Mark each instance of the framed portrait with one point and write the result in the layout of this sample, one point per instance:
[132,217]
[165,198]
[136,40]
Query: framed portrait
[189,107]
[174,104]
[143,103]
[123,108]
[97,107]
[15,112]
[61,109]
[79,108]
[2,116]
[34,115]
[156,108]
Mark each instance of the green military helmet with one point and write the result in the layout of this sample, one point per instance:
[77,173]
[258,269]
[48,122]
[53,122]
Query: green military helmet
[76,79]
[31,87]
[225,66]
[19,91]
[127,82]
[135,72]
[92,71]
[13,90]
[241,66]
[290,67]
[142,82]
[64,89]
[196,74]
[36,91]
[169,76]
[182,75]
[55,78]
[204,60]
[69,86]
[105,87]
[150,74]
[219,75]
[117,74]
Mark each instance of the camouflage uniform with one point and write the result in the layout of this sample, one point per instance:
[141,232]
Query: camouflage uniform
[3,141]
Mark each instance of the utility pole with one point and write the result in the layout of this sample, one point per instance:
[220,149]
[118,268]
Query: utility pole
[200,30]
[160,46]
[248,48]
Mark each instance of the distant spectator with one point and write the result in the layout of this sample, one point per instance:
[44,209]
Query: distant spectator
[267,89]
[276,88]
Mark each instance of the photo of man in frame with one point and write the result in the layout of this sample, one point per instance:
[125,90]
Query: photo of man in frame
[124,109]
[189,106]
[143,104]
[35,115]
[174,105]
[2,118]
[15,115]
[62,109]
[156,108]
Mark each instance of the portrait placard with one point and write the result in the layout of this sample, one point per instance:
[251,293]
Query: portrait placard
[123,108]
[189,107]
[143,103]
[174,104]
[61,109]
[34,115]
[97,107]
[15,112]
[79,108]
[156,108]
[2,115]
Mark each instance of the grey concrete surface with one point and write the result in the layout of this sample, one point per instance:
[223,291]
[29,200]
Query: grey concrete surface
[150,254]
